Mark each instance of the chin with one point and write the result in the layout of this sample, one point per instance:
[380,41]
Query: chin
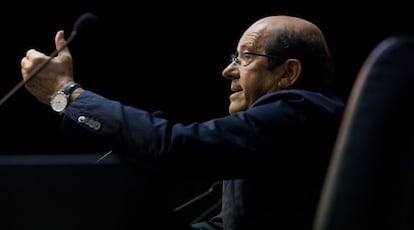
[236,107]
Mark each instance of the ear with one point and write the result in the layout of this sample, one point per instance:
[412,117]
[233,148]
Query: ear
[292,71]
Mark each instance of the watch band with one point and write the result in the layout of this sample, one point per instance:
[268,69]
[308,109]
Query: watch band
[68,90]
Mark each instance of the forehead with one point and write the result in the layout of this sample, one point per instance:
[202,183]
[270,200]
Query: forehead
[254,37]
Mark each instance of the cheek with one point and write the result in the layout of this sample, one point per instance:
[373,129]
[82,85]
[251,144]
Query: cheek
[254,88]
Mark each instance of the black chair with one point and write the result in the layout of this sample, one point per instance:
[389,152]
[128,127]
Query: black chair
[370,181]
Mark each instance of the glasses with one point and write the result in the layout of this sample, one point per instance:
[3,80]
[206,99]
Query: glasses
[243,58]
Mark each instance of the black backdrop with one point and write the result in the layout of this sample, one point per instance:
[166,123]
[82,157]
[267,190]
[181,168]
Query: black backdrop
[164,55]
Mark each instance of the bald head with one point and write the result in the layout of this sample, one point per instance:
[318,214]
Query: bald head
[289,37]
[270,26]
[274,23]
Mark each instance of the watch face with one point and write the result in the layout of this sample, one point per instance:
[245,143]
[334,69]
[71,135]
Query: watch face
[59,102]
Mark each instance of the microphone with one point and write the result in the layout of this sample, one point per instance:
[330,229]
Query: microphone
[83,22]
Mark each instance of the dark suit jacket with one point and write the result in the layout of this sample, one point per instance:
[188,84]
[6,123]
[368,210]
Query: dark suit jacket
[272,157]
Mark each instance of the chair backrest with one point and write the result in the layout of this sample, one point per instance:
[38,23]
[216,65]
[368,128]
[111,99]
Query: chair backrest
[370,180]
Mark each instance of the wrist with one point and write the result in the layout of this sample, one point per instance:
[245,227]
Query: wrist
[75,94]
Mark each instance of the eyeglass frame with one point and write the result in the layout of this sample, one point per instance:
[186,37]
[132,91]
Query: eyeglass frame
[235,56]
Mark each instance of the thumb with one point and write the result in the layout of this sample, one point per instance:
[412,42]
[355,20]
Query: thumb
[61,46]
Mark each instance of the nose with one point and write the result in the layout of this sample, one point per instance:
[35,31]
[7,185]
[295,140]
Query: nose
[231,71]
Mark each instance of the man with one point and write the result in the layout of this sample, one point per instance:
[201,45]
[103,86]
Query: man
[271,151]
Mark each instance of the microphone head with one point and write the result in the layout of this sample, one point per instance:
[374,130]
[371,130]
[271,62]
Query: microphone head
[84,22]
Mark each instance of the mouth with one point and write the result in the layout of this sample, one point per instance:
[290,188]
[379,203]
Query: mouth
[236,89]
[235,93]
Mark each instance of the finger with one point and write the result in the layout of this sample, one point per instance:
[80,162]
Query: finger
[25,67]
[60,43]
[24,62]
[28,53]
[33,54]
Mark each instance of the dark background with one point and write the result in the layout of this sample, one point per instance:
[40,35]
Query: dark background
[165,55]
[155,55]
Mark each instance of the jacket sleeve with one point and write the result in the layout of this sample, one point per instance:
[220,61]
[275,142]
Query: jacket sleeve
[229,143]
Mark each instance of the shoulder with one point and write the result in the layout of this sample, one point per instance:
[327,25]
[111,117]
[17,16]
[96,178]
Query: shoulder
[300,97]
[300,102]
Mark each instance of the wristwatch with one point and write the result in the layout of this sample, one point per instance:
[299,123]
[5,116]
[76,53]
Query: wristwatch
[60,99]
